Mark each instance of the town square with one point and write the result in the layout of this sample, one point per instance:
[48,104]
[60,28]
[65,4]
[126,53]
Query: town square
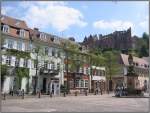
[90,103]
[72,56]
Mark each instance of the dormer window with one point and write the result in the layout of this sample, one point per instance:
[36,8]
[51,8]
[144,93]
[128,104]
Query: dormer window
[22,33]
[137,64]
[42,36]
[145,65]
[6,28]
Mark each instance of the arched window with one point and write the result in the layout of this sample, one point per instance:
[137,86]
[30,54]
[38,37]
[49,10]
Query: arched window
[6,28]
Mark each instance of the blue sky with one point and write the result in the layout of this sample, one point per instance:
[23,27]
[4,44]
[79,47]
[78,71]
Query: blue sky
[77,19]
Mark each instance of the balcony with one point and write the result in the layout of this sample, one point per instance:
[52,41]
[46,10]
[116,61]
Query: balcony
[51,72]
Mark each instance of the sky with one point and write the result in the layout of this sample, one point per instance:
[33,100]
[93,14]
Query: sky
[81,18]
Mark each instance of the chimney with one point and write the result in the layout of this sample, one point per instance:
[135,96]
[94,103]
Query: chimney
[36,29]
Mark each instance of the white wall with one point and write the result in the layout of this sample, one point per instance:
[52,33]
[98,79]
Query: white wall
[24,84]
[8,83]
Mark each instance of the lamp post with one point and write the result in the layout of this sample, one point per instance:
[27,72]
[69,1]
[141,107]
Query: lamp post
[68,87]
[110,79]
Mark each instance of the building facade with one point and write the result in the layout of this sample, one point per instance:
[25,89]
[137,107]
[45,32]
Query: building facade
[36,61]
[15,38]
[98,80]
[141,68]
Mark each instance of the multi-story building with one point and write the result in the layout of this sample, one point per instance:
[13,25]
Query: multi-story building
[141,68]
[50,61]
[15,53]
[78,74]
[36,61]
[98,80]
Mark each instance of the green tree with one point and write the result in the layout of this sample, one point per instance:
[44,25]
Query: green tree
[143,51]
[112,64]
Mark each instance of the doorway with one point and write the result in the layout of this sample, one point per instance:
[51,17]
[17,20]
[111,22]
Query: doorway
[44,85]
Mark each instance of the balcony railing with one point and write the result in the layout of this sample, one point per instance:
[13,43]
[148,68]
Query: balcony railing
[49,71]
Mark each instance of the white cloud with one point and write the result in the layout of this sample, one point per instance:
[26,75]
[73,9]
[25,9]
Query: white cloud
[144,24]
[113,25]
[6,9]
[44,14]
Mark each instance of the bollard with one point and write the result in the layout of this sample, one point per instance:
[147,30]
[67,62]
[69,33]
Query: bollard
[64,94]
[4,96]
[95,93]
[51,94]
[39,94]
[85,93]
[101,92]
[23,94]
[12,93]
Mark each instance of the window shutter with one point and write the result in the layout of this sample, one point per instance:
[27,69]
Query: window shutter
[84,70]
[50,52]
[29,63]
[4,59]
[32,64]
[13,61]
[23,46]
[5,44]
[56,53]
[15,45]
[21,62]
[50,66]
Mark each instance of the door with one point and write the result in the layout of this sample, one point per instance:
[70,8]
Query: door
[44,85]
[55,88]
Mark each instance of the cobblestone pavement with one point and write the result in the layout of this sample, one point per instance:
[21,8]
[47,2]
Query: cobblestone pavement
[91,103]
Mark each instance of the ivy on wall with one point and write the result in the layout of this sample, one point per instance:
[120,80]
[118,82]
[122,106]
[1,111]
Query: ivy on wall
[4,69]
[19,71]
[22,72]
[19,54]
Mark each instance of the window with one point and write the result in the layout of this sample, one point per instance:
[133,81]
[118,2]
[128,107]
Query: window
[87,71]
[25,64]
[86,83]
[22,32]
[58,54]
[46,50]
[82,83]
[53,52]
[6,28]
[58,66]
[45,64]
[71,84]
[19,45]
[42,36]
[35,63]
[17,62]
[8,60]
[53,66]
[10,44]
[77,83]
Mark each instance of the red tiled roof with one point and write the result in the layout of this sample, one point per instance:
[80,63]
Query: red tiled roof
[141,62]
[13,22]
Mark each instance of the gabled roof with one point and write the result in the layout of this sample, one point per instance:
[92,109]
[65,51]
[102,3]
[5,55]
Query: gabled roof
[13,22]
[140,61]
